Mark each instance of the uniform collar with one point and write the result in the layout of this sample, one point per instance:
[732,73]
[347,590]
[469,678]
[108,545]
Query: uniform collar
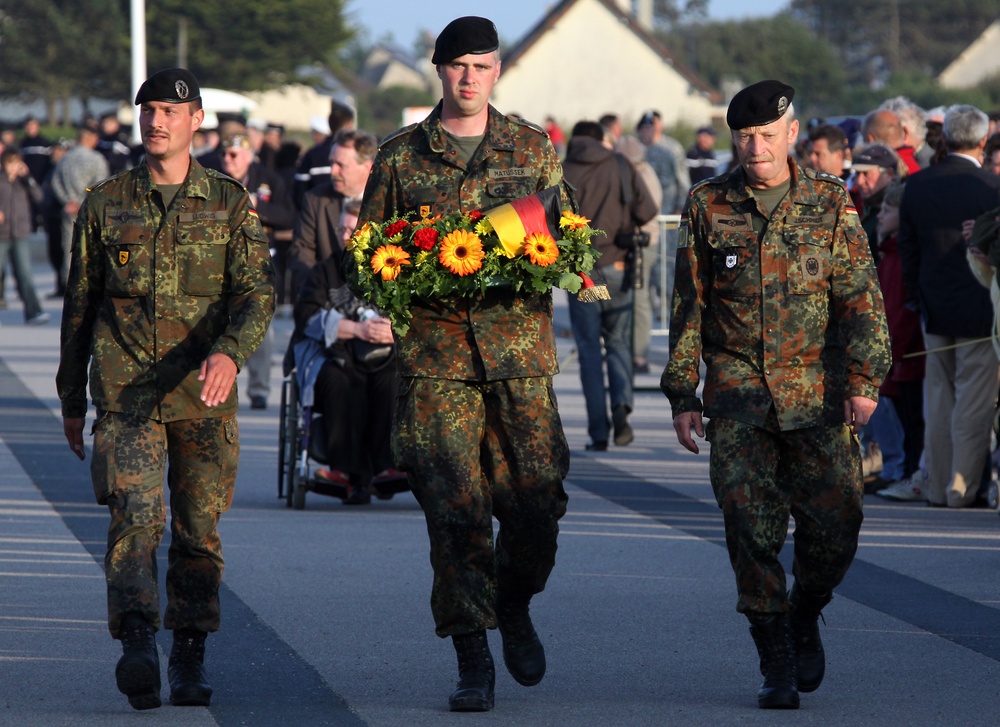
[196,184]
[498,134]
[801,191]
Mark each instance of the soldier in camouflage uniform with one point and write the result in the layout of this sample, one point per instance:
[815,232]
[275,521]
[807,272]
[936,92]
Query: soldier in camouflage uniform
[776,291]
[476,426]
[169,292]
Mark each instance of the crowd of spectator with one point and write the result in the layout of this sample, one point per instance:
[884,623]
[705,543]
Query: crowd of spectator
[301,195]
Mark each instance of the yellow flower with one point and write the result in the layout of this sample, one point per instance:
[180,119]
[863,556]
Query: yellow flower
[360,239]
[541,248]
[389,260]
[461,252]
[572,221]
[483,227]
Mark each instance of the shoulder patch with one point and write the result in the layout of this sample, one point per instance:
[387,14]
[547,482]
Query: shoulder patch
[396,134]
[222,176]
[103,182]
[824,176]
[701,184]
[513,118]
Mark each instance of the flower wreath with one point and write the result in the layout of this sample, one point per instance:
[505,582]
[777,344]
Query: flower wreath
[464,254]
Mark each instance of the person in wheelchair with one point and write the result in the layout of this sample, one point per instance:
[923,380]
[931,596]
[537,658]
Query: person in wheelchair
[344,356]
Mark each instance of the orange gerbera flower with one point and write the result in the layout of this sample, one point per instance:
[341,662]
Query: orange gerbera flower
[389,260]
[541,248]
[572,221]
[461,252]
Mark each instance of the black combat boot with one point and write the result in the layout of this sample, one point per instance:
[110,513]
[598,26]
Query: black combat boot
[804,618]
[476,675]
[138,670]
[777,663]
[523,653]
[189,686]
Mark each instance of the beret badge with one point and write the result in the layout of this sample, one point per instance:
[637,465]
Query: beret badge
[182,89]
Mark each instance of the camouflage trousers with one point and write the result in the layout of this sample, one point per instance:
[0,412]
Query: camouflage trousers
[131,455]
[761,476]
[474,451]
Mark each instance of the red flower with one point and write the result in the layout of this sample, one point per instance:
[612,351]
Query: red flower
[425,238]
[396,227]
[475,215]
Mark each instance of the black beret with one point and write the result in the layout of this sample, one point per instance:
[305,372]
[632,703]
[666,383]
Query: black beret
[174,85]
[760,104]
[465,35]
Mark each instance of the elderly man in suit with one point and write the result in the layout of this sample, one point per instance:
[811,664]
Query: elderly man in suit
[316,237]
[960,387]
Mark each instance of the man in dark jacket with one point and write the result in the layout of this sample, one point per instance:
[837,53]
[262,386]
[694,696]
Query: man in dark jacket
[274,206]
[960,387]
[614,197]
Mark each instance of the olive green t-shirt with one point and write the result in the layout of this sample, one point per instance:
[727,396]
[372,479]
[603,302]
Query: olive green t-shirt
[466,145]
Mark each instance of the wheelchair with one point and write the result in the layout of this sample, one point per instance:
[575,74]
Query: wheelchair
[301,437]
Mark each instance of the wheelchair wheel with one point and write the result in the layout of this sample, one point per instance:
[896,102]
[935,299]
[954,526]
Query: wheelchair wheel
[283,415]
[291,433]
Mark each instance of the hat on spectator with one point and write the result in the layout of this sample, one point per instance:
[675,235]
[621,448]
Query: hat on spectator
[91,125]
[875,156]
[211,122]
[174,85]
[759,104]
[319,124]
[647,118]
[466,35]
[707,130]
[237,141]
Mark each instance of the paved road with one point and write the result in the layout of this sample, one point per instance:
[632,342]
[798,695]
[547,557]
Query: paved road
[326,618]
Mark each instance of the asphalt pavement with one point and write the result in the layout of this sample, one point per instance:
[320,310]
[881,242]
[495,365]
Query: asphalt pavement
[326,617]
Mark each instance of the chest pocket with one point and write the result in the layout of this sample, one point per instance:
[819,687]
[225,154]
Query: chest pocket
[127,268]
[810,260]
[201,257]
[733,265]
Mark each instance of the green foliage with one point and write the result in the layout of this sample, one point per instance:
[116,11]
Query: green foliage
[752,50]
[245,45]
[380,110]
[902,35]
[50,48]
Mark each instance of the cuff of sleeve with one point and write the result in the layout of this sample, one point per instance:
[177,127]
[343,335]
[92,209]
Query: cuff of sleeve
[74,409]
[233,353]
[682,404]
[865,388]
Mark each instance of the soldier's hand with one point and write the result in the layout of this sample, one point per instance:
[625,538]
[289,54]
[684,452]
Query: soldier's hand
[73,429]
[218,371]
[683,424]
[857,411]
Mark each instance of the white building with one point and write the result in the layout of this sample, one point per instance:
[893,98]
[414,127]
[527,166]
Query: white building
[590,57]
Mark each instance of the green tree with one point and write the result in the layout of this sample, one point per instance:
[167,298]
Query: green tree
[245,45]
[668,13]
[380,110]
[879,37]
[48,49]
[742,52]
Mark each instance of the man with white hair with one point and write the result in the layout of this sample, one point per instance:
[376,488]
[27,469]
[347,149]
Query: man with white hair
[962,375]
[914,123]
[776,291]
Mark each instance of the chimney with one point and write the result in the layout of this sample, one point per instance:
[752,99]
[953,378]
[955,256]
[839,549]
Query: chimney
[644,13]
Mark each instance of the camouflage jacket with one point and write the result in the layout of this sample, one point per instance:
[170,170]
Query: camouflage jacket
[417,171]
[151,295]
[791,317]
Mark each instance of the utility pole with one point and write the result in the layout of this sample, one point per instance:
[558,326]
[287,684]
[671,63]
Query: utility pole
[138,18]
